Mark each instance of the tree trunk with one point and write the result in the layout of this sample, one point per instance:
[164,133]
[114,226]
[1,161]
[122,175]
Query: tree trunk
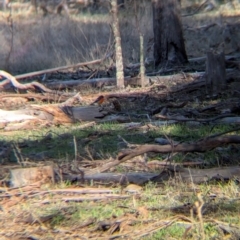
[118,46]
[168,35]
[216,73]
[5,4]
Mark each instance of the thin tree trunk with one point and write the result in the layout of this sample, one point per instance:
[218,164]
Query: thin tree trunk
[142,66]
[118,46]
[168,35]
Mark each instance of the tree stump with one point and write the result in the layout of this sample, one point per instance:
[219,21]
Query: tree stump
[216,73]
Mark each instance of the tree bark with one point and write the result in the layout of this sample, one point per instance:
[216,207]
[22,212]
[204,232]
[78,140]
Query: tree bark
[118,46]
[5,5]
[168,35]
[216,73]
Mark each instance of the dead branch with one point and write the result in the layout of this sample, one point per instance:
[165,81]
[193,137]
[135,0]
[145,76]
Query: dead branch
[205,27]
[184,119]
[200,146]
[34,193]
[72,100]
[205,2]
[58,69]
[26,86]
[94,198]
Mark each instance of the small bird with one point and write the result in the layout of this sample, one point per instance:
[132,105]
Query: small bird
[100,100]
[106,102]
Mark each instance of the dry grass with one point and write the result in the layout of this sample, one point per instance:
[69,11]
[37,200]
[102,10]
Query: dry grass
[40,43]
[31,42]
[34,42]
[157,212]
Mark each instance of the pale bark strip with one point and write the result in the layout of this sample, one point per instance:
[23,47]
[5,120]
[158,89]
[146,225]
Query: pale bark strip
[118,46]
[142,66]
[36,193]
[95,198]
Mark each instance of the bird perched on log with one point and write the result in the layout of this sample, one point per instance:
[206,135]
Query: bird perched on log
[104,101]
[100,100]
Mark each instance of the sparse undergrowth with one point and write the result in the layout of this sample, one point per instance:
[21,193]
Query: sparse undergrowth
[156,212]
[102,141]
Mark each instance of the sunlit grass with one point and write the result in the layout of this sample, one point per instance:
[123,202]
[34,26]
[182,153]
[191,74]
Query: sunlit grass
[158,202]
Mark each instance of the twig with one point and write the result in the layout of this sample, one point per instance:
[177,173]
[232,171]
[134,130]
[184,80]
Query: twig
[95,198]
[199,204]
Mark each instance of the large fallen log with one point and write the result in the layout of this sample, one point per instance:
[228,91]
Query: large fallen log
[197,176]
[54,113]
[20,177]
[187,175]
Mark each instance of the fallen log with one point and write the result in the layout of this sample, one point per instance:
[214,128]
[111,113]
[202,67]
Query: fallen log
[198,80]
[177,173]
[53,113]
[32,74]
[139,178]
[198,176]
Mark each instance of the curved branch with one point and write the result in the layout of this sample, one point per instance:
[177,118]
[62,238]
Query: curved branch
[200,146]
[28,86]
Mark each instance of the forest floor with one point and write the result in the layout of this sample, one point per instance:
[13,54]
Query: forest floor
[173,209]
